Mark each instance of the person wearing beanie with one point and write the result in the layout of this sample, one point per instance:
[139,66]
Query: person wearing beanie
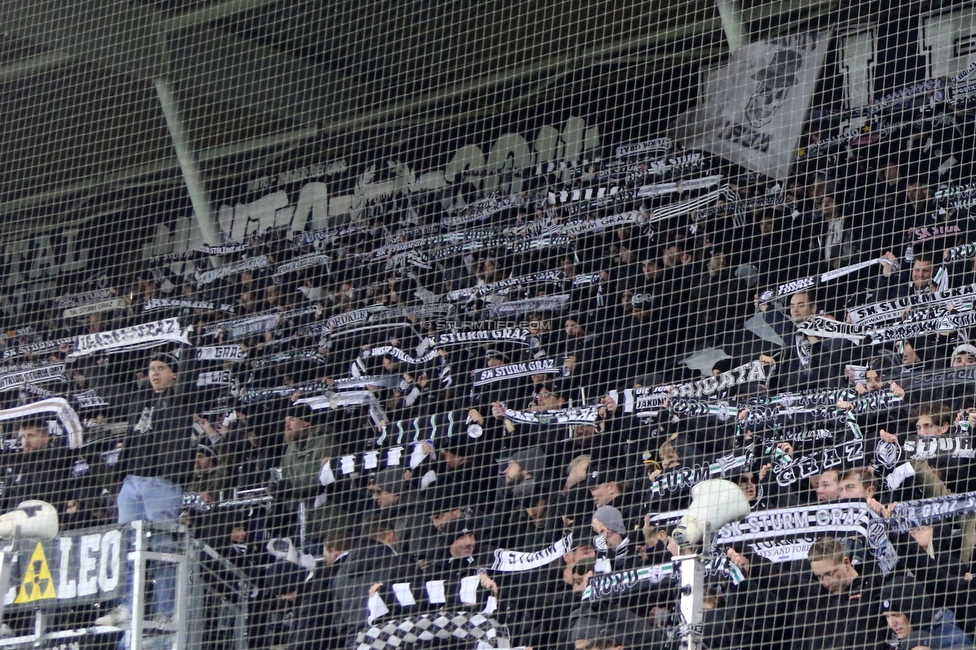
[157,458]
[209,475]
[964,355]
[611,541]
[914,621]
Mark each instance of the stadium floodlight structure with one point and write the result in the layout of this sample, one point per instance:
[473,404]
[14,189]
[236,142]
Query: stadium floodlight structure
[33,520]
[714,504]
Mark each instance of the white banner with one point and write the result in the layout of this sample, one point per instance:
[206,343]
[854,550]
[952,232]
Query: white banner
[752,110]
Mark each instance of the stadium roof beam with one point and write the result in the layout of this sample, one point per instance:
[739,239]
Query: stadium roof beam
[735,31]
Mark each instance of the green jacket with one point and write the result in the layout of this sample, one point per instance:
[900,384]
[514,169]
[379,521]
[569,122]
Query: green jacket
[302,461]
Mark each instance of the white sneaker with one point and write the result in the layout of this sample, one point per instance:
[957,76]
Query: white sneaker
[119,617]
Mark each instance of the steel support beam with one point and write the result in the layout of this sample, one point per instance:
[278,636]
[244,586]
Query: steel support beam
[735,31]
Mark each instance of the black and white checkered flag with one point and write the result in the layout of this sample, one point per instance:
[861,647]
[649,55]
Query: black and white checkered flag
[421,629]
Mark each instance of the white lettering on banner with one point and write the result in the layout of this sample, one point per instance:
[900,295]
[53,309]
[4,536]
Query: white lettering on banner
[67,587]
[497,171]
[110,560]
[88,567]
[31,265]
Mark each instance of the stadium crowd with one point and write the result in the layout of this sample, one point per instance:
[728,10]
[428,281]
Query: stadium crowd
[490,410]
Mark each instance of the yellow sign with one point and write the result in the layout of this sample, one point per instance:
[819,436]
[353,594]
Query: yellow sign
[37,583]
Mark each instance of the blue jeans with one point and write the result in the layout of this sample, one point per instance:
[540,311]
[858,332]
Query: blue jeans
[156,500]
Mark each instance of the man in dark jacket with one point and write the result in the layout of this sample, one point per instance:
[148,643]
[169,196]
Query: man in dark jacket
[157,458]
[43,470]
[373,561]
[846,612]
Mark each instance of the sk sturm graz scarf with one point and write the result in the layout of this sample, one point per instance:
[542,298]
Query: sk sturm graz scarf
[35,375]
[222,353]
[41,347]
[515,370]
[450,339]
[890,454]
[610,585]
[925,512]
[676,480]
[880,312]
[939,378]
[84,298]
[110,304]
[138,337]
[843,455]
[515,561]
[787,529]
[802,284]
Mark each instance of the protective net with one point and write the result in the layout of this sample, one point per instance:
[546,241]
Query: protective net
[551,325]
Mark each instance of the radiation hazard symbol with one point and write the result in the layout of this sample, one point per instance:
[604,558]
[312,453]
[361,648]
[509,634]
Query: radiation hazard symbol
[37,583]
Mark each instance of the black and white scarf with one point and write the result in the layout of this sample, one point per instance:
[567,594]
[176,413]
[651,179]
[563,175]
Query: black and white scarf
[137,337]
[288,357]
[503,287]
[418,630]
[35,375]
[87,399]
[656,146]
[41,347]
[675,480]
[925,512]
[790,531]
[516,561]
[588,415]
[56,406]
[484,209]
[890,454]
[516,370]
[809,282]
[450,339]
[844,455]
[250,264]
[88,297]
[880,312]
[222,353]
[558,302]
[300,263]
[156,304]
[430,428]
[611,585]
[109,304]
[754,371]
[948,322]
